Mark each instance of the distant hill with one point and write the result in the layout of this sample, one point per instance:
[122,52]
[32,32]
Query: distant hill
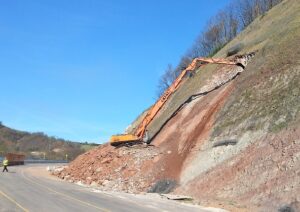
[38,145]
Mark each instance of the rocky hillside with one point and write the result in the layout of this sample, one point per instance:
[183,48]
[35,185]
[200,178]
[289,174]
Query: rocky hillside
[39,145]
[237,143]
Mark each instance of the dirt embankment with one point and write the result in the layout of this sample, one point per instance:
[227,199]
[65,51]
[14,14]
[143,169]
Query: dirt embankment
[138,168]
[237,146]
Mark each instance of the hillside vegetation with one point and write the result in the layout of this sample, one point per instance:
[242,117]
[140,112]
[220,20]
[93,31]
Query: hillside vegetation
[275,35]
[39,145]
[219,31]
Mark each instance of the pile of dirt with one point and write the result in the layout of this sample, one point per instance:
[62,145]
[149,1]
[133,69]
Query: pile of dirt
[113,168]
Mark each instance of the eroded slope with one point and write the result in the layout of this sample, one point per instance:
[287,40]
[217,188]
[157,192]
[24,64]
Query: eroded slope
[237,145]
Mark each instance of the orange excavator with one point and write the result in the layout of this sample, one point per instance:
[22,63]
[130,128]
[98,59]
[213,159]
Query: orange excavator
[140,134]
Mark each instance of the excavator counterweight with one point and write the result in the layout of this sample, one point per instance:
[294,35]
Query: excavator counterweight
[140,134]
[116,140]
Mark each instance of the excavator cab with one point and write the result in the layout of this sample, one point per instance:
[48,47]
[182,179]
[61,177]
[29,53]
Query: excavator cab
[129,139]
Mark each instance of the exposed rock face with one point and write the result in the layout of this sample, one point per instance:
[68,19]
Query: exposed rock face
[265,173]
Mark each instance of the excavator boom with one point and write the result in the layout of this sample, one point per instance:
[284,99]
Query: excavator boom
[138,136]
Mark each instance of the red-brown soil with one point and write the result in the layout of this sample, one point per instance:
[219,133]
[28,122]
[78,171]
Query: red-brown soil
[185,132]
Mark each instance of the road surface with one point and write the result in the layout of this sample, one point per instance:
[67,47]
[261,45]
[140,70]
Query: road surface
[31,188]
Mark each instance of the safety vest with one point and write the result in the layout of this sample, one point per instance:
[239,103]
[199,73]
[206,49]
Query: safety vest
[5,162]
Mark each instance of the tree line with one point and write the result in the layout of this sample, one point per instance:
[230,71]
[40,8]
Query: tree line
[219,30]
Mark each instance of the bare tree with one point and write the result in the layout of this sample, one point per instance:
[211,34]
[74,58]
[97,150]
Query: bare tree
[166,80]
[183,64]
[245,12]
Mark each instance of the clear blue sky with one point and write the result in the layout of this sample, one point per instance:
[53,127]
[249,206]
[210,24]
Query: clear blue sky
[83,70]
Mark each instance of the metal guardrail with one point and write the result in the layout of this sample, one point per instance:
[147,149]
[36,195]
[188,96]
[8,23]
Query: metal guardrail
[28,161]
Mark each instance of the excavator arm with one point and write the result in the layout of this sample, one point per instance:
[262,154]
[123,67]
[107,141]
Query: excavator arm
[139,134]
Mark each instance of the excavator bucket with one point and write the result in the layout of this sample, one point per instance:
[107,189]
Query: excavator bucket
[116,140]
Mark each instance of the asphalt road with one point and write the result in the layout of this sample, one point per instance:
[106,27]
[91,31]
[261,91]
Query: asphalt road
[31,188]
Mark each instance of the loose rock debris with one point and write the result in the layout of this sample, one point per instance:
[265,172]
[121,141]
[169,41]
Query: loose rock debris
[112,169]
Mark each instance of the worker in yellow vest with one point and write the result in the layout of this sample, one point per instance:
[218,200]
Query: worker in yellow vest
[5,164]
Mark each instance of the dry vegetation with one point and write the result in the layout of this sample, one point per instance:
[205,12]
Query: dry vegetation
[219,30]
[267,95]
[259,36]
